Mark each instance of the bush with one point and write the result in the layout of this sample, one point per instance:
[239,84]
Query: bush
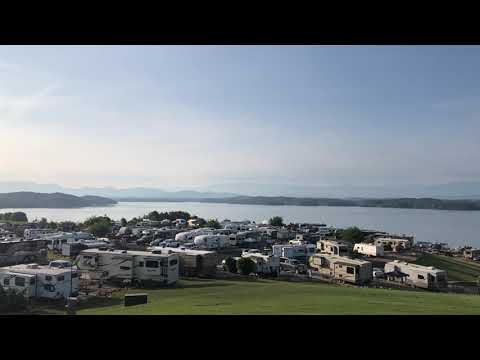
[246,266]
[213,223]
[276,221]
[352,234]
[231,264]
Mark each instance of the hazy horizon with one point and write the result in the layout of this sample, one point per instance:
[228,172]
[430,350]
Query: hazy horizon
[191,117]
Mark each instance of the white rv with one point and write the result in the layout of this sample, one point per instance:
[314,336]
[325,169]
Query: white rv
[415,275]
[29,234]
[368,249]
[264,264]
[135,266]
[32,280]
[187,236]
[294,251]
[212,241]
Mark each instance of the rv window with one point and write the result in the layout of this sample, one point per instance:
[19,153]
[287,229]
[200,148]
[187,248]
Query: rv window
[140,264]
[151,264]
[350,270]
[32,281]
[421,277]
[48,278]
[85,257]
[6,281]
[19,281]
[74,275]
[60,278]
[173,262]
[124,268]
[49,287]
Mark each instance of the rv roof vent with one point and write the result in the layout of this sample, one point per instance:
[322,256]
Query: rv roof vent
[170,251]
[124,251]
[32,266]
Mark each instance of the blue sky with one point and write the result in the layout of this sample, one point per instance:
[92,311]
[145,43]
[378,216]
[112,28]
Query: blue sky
[186,116]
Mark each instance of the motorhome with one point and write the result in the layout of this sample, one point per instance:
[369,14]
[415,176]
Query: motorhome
[369,249]
[268,265]
[415,275]
[33,280]
[23,251]
[333,247]
[212,241]
[342,268]
[191,262]
[134,266]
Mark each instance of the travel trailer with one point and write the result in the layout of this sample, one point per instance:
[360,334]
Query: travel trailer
[212,241]
[72,249]
[426,277]
[395,244]
[300,252]
[29,234]
[266,265]
[333,247]
[134,266]
[342,268]
[187,236]
[23,251]
[33,280]
[368,249]
[191,262]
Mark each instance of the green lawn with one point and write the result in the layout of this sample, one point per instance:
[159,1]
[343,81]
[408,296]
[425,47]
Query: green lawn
[201,296]
[457,269]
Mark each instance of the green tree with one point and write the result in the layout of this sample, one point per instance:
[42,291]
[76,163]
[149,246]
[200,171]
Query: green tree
[352,234]
[246,266]
[276,221]
[100,229]
[123,222]
[213,223]
[231,264]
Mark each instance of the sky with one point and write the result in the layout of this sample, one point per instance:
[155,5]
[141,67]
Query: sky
[178,117]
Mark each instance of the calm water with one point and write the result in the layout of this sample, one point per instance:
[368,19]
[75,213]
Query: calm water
[453,227]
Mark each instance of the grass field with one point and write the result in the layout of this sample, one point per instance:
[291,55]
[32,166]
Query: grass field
[457,269]
[202,296]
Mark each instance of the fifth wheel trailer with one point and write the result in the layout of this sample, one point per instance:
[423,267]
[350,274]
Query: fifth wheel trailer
[134,266]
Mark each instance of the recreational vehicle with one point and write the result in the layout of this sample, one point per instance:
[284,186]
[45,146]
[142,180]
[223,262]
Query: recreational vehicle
[135,266]
[300,252]
[212,241]
[368,249]
[333,247]
[23,251]
[190,235]
[415,275]
[395,244]
[33,280]
[191,262]
[342,268]
[29,234]
[268,265]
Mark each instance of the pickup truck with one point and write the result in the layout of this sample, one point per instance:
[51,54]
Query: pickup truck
[294,265]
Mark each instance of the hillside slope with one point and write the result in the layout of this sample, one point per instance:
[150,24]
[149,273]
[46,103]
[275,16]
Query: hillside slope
[27,199]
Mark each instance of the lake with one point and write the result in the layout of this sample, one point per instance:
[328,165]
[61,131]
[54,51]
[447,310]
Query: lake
[453,227]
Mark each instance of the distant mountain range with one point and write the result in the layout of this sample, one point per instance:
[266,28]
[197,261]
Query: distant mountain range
[456,190]
[109,192]
[26,199]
